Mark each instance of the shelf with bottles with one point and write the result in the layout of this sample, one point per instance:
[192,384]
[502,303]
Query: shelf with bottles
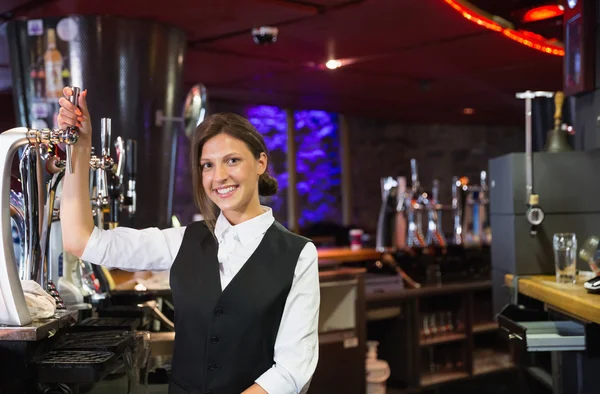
[441,320]
[443,363]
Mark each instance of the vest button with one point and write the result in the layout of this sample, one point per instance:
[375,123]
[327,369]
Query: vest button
[218,311]
[212,366]
[214,339]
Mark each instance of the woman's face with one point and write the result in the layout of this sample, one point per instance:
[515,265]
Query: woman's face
[230,172]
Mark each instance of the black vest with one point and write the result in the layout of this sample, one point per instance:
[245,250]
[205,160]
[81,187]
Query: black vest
[224,340]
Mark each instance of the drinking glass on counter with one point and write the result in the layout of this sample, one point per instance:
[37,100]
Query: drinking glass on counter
[565,253]
[356,235]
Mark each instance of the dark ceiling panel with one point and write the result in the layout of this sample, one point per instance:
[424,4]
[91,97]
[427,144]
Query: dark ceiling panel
[200,19]
[370,29]
[215,69]
[414,60]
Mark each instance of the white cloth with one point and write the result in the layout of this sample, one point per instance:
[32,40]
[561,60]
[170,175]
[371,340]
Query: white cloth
[41,304]
[297,344]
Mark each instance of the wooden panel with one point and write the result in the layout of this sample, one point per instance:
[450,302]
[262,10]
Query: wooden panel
[346,255]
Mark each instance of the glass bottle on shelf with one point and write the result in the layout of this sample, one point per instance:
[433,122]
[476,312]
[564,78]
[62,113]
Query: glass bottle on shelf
[53,64]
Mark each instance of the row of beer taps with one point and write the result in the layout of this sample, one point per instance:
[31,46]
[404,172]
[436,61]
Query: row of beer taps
[405,210]
[35,208]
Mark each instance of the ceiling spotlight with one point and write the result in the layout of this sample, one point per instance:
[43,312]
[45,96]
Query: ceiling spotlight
[333,64]
[468,111]
[265,35]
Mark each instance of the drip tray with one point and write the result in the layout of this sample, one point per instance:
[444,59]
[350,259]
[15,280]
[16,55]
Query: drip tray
[107,323]
[108,341]
[70,366]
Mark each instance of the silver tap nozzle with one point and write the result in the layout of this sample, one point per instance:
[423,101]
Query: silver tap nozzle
[71,134]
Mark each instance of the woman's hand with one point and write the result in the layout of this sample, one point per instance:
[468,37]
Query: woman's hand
[76,116]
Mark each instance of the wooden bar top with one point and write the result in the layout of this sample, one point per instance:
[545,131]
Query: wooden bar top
[573,299]
[346,255]
[125,280]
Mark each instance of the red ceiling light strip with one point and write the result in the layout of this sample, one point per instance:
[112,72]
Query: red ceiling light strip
[543,12]
[522,37]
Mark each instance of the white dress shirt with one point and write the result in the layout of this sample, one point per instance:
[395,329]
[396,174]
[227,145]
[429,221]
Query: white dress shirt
[296,345]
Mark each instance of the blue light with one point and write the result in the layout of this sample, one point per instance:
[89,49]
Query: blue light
[271,122]
[318,167]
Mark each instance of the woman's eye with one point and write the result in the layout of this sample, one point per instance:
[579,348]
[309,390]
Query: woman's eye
[205,166]
[233,160]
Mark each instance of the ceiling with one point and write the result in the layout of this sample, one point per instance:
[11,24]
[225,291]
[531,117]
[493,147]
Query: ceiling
[414,60]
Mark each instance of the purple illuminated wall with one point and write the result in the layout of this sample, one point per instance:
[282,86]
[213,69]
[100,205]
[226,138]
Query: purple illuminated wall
[317,163]
[271,123]
[318,167]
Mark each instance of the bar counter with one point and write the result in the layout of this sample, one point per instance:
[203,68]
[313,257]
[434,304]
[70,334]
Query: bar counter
[573,300]
[40,328]
[328,257]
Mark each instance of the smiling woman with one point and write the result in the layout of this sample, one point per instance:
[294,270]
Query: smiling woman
[245,289]
[232,158]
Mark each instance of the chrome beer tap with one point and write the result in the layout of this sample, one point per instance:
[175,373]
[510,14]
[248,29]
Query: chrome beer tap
[483,228]
[100,166]
[415,236]
[13,308]
[384,239]
[131,195]
[475,224]
[457,232]
[434,225]
[122,195]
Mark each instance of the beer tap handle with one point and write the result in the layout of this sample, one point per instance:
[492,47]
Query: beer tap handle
[455,184]
[71,134]
[121,157]
[483,180]
[435,192]
[414,175]
[559,99]
[131,165]
[105,130]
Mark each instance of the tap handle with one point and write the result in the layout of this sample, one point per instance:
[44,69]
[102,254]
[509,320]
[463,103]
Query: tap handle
[74,98]
[121,157]
[435,191]
[400,193]
[559,98]
[131,161]
[414,175]
[483,179]
[105,130]
[455,184]
[71,134]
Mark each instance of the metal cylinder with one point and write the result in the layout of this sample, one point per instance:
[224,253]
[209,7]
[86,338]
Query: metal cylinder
[131,69]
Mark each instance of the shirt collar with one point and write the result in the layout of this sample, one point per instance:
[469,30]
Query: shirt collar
[246,231]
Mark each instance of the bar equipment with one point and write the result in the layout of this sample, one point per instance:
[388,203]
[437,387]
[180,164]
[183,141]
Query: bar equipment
[534,214]
[414,210]
[122,196]
[13,309]
[99,182]
[470,206]
[517,181]
[435,235]
[157,55]
[385,223]
[457,230]
[557,137]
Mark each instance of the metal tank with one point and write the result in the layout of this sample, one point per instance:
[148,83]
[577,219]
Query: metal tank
[132,70]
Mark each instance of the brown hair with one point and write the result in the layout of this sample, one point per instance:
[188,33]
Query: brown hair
[237,127]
